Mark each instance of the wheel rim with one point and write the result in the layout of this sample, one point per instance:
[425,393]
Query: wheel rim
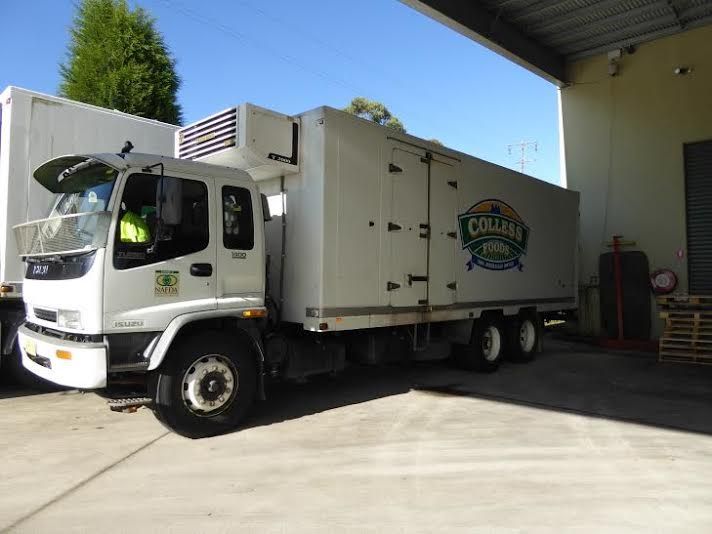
[491,343]
[527,336]
[210,385]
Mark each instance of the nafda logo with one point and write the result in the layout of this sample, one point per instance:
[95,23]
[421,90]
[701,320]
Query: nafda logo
[495,235]
[166,283]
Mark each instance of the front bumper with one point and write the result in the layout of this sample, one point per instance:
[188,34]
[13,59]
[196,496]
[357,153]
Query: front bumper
[68,363]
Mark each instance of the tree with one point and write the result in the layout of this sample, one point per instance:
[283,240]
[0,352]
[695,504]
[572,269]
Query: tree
[117,59]
[374,111]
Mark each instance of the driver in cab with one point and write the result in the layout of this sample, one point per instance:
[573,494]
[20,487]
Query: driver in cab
[134,229]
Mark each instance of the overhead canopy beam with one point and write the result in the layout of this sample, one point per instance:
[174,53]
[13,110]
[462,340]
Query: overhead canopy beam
[471,19]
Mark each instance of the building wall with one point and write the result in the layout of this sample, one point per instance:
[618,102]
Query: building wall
[623,142]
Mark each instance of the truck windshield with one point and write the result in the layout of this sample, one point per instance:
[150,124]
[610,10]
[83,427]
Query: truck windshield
[80,217]
[87,190]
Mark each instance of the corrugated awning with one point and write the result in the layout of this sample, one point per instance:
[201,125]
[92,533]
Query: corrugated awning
[545,34]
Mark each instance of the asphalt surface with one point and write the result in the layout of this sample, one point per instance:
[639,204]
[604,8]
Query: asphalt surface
[577,441]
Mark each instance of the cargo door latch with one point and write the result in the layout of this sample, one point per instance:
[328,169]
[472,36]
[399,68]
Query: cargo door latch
[424,230]
[390,286]
[415,278]
[392,227]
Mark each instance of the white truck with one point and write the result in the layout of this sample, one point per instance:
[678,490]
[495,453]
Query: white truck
[33,128]
[388,247]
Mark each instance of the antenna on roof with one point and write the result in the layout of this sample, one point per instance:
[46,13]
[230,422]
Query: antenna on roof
[128,146]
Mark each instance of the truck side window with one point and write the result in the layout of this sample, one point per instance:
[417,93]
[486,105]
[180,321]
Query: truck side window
[238,226]
[184,226]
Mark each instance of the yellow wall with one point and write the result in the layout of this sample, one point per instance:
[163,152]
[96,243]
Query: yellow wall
[623,142]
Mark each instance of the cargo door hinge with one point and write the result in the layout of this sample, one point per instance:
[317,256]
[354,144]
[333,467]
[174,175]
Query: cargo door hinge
[392,227]
[392,167]
[424,230]
[453,184]
[452,286]
[452,234]
[390,286]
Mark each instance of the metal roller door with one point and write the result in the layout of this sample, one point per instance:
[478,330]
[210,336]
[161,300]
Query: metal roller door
[698,193]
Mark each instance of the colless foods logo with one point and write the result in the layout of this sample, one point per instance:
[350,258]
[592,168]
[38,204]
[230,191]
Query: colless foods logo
[495,236]
[166,283]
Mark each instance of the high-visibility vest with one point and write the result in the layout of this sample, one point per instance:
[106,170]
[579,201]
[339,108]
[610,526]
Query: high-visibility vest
[134,229]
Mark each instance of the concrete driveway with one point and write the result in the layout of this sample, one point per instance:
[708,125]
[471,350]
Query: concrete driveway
[578,440]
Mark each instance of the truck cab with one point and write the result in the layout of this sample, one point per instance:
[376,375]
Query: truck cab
[138,252]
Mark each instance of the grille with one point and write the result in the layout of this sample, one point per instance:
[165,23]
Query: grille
[208,136]
[81,232]
[46,315]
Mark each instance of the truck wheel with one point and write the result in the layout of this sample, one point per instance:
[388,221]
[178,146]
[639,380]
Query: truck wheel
[485,352]
[205,388]
[523,337]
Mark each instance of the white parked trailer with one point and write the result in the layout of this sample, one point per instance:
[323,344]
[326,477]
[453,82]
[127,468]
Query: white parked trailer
[390,247]
[34,128]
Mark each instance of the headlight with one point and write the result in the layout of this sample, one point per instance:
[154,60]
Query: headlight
[69,319]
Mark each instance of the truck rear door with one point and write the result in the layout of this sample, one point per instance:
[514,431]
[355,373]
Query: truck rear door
[443,230]
[421,227]
[407,226]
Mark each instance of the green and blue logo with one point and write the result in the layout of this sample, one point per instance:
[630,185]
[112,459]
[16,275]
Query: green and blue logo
[495,235]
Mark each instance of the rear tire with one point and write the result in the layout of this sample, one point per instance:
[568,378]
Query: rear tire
[206,386]
[523,337]
[485,351]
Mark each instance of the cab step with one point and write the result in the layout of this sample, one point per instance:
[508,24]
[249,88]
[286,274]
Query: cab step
[128,404]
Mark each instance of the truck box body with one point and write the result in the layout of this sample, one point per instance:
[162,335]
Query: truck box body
[383,228]
[37,127]
[33,129]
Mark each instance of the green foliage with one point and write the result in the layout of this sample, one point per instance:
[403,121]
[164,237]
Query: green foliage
[436,142]
[374,111]
[118,60]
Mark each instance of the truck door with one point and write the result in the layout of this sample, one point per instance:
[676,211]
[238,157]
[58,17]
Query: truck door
[407,227]
[443,231]
[241,262]
[150,281]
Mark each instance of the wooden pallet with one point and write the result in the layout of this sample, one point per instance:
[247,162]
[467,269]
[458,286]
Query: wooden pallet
[688,344]
[684,302]
[682,356]
[688,328]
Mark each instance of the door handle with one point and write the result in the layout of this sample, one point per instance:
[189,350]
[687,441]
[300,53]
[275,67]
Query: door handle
[201,269]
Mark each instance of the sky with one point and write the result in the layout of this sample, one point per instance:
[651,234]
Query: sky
[292,56]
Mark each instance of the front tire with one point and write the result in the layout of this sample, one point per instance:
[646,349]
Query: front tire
[206,386]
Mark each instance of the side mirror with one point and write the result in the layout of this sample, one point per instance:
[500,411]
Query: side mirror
[266,215]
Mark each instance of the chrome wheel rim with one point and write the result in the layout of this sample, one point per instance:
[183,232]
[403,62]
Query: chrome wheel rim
[491,343]
[209,385]
[527,336]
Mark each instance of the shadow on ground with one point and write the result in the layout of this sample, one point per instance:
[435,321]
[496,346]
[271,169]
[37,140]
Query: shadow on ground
[567,377]
[10,387]
[8,391]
